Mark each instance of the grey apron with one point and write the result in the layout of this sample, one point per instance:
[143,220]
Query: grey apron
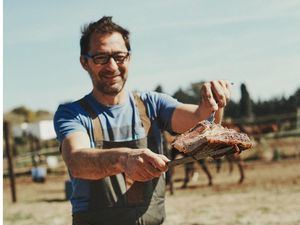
[117,200]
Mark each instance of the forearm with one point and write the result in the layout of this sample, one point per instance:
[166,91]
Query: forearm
[96,163]
[186,116]
[91,163]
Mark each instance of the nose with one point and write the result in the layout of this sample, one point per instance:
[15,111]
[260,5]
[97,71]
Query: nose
[112,65]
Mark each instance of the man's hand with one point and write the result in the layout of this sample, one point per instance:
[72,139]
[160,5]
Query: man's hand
[143,164]
[214,95]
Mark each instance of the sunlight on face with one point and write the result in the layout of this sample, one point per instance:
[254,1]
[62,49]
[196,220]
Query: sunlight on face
[111,77]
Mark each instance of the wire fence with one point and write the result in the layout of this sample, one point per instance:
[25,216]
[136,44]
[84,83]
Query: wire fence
[286,125]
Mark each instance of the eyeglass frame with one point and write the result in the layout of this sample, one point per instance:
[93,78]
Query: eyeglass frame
[108,57]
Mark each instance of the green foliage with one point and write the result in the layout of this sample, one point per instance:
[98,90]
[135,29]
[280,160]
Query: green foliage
[278,105]
[245,108]
[159,89]
[191,95]
[232,110]
[22,114]
[183,96]
[245,103]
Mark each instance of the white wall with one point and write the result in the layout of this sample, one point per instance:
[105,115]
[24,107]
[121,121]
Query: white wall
[43,130]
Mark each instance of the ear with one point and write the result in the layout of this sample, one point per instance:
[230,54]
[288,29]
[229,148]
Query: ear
[84,63]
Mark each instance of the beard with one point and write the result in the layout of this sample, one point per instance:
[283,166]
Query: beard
[107,87]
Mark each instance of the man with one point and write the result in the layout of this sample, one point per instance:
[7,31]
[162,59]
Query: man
[111,138]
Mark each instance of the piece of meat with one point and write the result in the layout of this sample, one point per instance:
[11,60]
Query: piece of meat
[206,136]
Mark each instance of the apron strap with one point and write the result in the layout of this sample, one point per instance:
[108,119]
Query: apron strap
[137,193]
[97,127]
[146,123]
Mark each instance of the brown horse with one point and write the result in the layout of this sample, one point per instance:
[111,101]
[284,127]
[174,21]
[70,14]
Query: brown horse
[189,170]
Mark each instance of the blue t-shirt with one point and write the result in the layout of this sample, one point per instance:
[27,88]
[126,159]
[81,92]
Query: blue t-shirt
[122,121]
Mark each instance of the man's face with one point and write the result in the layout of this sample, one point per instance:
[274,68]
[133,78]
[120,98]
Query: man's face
[108,78]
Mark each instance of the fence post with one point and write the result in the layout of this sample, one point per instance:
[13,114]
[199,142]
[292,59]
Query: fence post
[9,156]
[32,147]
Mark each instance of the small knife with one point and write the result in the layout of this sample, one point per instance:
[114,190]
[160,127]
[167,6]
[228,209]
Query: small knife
[211,117]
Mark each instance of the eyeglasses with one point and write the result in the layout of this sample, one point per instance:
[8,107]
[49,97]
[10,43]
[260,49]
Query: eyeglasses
[103,58]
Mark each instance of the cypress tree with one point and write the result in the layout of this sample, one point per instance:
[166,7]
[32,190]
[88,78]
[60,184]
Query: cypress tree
[245,104]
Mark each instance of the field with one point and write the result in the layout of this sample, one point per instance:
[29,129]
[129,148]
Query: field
[270,194]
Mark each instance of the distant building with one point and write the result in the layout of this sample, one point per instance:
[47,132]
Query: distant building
[43,130]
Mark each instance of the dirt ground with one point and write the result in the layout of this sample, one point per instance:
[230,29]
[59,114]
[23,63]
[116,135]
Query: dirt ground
[270,194]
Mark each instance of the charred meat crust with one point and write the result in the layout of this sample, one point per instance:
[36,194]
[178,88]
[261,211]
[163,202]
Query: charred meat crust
[206,135]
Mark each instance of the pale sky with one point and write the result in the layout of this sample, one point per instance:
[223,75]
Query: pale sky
[174,43]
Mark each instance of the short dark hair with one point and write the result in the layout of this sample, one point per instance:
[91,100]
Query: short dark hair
[103,26]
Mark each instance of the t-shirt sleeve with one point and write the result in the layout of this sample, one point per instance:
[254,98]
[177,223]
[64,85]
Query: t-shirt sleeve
[67,120]
[161,108]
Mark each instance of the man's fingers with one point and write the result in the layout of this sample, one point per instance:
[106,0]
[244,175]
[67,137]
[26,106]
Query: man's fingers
[164,158]
[145,172]
[218,91]
[156,160]
[151,171]
[216,94]
[208,97]
[143,165]
[140,173]
[226,88]
[139,176]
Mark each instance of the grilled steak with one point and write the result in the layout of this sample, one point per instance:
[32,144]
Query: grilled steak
[206,136]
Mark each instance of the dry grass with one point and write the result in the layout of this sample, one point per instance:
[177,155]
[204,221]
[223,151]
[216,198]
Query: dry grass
[270,194]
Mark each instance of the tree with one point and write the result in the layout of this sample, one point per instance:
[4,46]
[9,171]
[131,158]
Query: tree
[245,108]
[183,97]
[22,114]
[191,95]
[232,110]
[245,104]
[195,91]
[159,89]
[25,112]
[43,115]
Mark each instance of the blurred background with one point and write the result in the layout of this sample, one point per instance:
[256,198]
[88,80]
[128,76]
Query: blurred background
[176,46]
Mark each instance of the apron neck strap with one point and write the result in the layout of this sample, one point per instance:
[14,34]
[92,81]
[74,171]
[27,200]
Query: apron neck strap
[97,127]
[139,103]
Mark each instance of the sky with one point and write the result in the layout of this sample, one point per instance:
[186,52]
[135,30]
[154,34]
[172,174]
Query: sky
[174,43]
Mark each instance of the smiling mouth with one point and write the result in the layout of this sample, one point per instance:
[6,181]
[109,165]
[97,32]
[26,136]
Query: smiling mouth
[111,77]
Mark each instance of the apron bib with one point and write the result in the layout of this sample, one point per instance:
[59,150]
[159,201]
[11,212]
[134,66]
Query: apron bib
[118,200]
